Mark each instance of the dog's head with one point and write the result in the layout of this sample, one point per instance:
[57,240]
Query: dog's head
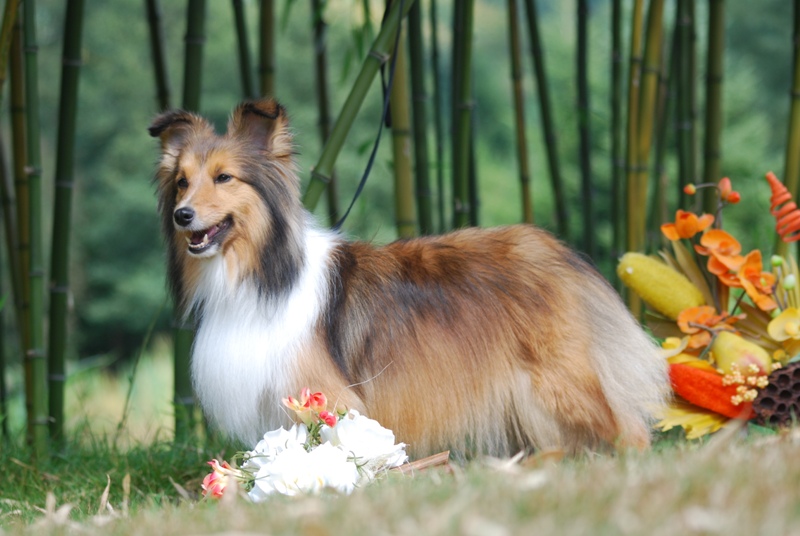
[217,189]
[234,194]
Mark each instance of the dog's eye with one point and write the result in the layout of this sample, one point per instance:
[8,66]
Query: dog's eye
[183,183]
[222,177]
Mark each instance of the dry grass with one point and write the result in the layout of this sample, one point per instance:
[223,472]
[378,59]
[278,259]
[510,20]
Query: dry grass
[730,485]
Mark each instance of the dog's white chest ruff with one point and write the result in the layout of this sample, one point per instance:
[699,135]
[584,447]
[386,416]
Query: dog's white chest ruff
[245,349]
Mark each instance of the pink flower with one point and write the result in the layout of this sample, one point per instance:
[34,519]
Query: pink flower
[308,406]
[328,418]
[216,481]
[317,401]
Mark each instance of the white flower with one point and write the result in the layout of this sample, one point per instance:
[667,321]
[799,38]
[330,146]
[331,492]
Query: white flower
[370,445]
[294,471]
[274,443]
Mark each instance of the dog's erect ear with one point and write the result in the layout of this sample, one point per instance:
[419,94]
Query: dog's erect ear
[175,126]
[264,122]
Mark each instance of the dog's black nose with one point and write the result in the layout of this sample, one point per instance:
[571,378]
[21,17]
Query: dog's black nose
[184,216]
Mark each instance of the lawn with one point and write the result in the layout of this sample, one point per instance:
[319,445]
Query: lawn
[731,484]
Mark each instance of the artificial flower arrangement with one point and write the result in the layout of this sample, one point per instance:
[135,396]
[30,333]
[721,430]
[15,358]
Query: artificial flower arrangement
[730,329]
[338,450]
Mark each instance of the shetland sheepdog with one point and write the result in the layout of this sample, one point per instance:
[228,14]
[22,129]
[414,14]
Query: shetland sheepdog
[479,341]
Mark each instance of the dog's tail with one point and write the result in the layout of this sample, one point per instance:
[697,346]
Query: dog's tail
[632,373]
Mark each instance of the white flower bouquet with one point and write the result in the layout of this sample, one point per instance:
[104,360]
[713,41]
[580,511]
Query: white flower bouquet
[338,451]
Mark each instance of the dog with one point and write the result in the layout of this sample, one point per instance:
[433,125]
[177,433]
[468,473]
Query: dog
[480,341]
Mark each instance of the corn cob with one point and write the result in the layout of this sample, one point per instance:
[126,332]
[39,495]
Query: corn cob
[660,286]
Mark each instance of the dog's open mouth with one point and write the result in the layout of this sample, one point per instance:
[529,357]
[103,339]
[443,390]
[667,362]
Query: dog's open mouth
[200,241]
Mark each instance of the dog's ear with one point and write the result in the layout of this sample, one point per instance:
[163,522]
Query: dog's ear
[263,122]
[174,127]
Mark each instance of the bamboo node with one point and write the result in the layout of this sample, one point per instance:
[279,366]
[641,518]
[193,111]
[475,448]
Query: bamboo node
[57,377]
[184,400]
[34,353]
[319,176]
[383,58]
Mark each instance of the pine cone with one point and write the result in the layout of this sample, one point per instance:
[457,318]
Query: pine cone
[779,402]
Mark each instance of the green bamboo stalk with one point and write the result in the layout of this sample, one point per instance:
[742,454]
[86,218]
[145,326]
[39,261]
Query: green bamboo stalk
[687,99]
[157,51]
[35,353]
[193,66]
[791,170]
[712,151]
[420,98]
[472,179]
[22,243]
[244,49]
[617,161]
[405,214]
[519,109]
[583,127]
[437,116]
[659,212]
[266,62]
[3,391]
[462,114]
[6,31]
[64,184]
[183,334]
[320,175]
[548,126]
[323,99]
[632,161]
[646,115]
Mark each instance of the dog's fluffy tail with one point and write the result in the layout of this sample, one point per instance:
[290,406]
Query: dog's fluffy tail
[632,372]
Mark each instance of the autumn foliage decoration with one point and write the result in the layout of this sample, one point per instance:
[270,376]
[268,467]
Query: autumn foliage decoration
[726,322]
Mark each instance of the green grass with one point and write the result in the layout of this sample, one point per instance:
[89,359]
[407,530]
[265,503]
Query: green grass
[728,485]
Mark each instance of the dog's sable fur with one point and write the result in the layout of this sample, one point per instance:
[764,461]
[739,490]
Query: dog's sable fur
[478,341]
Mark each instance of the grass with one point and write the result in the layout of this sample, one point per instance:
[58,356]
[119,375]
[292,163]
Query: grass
[729,485]
[143,484]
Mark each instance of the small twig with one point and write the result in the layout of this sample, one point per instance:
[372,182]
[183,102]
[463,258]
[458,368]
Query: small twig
[441,459]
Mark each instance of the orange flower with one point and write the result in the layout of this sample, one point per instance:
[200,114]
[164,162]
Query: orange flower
[723,255]
[699,321]
[686,225]
[757,283]
[726,192]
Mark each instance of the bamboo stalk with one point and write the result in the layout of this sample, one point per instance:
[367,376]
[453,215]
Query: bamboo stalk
[791,171]
[405,216]
[320,175]
[519,109]
[583,128]
[665,105]
[62,211]
[437,115]
[157,52]
[3,367]
[10,14]
[244,49]
[323,99]
[420,99]
[462,113]
[193,65]
[35,353]
[551,142]
[472,179]
[22,292]
[266,62]
[712,165]
[632,194]
[687,99]
[182,333]
[646,115]
[617,162]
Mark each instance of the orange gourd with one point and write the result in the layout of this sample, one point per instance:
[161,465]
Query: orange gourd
[784,209]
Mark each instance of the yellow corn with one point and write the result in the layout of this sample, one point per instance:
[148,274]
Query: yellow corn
[661,287]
